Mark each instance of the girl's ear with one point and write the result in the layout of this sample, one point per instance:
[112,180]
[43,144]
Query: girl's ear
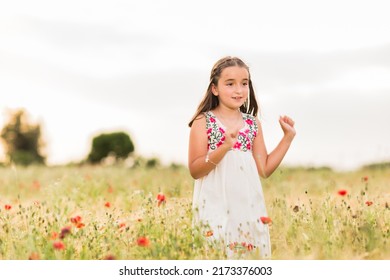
[214,90]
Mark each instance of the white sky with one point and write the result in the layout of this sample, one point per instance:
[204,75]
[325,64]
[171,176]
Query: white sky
[84,67]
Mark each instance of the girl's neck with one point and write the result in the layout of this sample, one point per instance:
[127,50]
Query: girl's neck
[227,113]
[229,118]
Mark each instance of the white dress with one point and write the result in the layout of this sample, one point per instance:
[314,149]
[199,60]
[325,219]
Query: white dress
[228,202]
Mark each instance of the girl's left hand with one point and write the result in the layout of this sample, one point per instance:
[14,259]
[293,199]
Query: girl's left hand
[287,125]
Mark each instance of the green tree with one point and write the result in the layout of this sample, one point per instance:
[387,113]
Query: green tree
[118,144]
[22,139]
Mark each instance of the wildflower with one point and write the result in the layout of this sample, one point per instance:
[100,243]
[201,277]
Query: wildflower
[36,185]
[110,189]
[365,179]
[121,225]
[64,232]
[7,207]
[160,199]
[233,245]
[54,236]
[107,204]
[75,220]
[250,247]
[342,192]
[58,245]
[209,233]
[80,225]
[369,203]
[143,241]
[266,220]
[109,257]
[34,256]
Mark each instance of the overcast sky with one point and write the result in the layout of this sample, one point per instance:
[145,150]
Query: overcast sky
[85,67]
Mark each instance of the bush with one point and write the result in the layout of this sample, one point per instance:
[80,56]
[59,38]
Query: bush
[118,144]
[22,139]
[25,158]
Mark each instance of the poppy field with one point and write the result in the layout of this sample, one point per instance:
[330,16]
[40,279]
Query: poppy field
[98,213]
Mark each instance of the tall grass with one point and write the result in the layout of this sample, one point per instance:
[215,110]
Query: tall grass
[119,216]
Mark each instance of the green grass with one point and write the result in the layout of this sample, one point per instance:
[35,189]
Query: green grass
[310,219]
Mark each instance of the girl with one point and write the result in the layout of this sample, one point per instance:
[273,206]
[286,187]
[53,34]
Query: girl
[226,156]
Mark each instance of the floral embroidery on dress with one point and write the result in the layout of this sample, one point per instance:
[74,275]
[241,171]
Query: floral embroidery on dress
[216,133]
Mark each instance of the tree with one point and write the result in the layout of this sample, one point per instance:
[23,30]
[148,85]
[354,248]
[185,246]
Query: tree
[22,139]
[118,144]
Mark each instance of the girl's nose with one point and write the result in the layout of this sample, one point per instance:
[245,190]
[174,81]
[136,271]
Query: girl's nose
[239,89]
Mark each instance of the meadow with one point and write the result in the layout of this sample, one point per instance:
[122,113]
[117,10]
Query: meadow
[114,212]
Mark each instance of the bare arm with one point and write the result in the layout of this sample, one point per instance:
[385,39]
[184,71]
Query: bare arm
[197,151]
[267,163]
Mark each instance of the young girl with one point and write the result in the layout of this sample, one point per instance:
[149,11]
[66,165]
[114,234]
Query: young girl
[226,156]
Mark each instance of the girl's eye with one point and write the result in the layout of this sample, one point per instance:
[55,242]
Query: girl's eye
[245,84]
[229,84]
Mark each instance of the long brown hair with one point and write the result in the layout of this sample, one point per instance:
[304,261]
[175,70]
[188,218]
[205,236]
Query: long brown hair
[210,101]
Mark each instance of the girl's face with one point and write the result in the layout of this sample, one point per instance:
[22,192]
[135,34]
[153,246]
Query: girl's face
[233,87]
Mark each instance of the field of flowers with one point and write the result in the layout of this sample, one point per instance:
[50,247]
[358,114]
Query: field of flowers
[120,213]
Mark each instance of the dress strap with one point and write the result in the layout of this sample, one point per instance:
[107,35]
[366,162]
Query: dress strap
[251,122]
[209,119]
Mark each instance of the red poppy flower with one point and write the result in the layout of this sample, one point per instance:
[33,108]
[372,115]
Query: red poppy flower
[249,247]
[75,220]
[64,232]
[7,207]
[342,192]
[121,225]
[58,245]
[160,199]
[80,225]
[143,241]
[266,220]
[369,203]
[365,178]
[107,204]
[109,257]
[209,233]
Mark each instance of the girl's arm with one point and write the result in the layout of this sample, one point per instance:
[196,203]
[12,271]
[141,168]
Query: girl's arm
[197,151]
[267,163]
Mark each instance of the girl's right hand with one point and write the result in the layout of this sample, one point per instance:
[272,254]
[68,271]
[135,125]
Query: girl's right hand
[231,136]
